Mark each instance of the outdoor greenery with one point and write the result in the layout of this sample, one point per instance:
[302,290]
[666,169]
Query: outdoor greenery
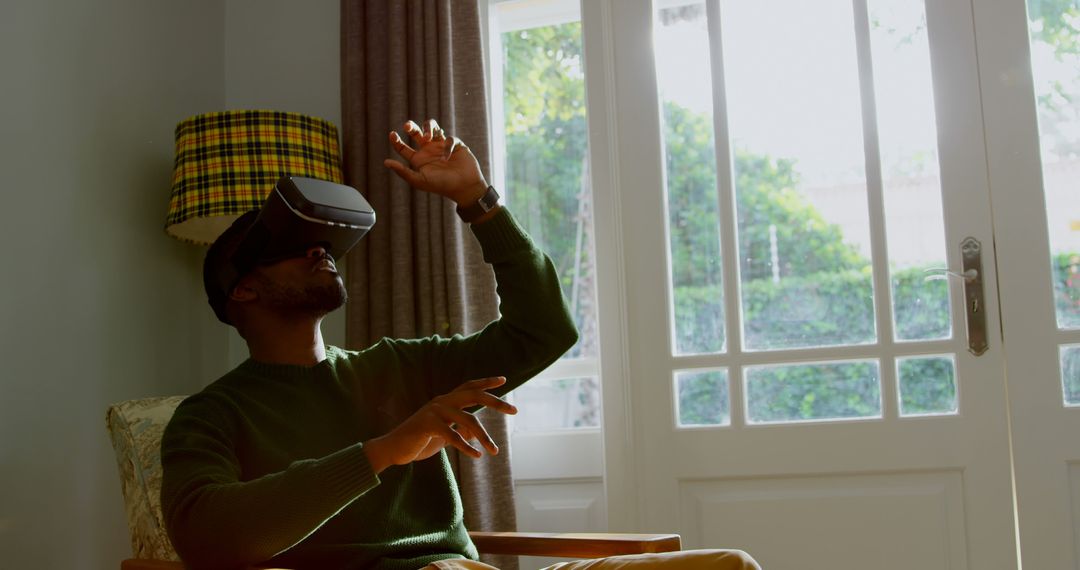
[1055,24]
[546,154]
[703,398]
[802,283]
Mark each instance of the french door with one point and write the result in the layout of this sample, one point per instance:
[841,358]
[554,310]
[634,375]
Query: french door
[818,214]
[1029,74]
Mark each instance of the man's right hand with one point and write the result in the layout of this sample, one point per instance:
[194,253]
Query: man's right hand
[442,421]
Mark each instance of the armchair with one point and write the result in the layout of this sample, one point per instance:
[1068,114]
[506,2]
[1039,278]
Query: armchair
[136,427]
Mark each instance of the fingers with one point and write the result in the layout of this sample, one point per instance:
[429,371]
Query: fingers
[400,147]
[466,425]
[452,144]
[416,133]
[482,383]
[410,176]
[432,131]
[429,127]
[496,403]
[456,440]
[475,393]
[428,132]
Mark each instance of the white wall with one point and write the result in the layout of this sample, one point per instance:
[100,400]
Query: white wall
[285,55]
[97,304]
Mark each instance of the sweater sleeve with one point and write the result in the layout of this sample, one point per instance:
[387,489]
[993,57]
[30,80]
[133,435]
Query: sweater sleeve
[216,520]
[535,327]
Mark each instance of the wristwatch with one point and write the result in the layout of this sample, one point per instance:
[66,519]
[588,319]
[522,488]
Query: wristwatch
[485,204]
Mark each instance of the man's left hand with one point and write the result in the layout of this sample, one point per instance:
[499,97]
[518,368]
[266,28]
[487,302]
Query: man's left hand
[438,164]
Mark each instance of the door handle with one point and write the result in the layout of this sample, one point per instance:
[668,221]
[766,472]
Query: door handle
[974,300]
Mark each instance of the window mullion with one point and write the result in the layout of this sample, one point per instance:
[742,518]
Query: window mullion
[725,178]
[876,203]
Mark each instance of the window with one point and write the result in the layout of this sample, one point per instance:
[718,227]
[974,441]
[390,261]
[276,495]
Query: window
[541,160]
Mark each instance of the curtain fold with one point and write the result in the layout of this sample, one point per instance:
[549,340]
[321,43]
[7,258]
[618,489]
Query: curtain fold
[420,271]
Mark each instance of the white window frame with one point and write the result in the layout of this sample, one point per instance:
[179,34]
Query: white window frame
[572,453]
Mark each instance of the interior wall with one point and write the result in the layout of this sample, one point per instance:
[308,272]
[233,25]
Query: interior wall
[97,304]
[285,55]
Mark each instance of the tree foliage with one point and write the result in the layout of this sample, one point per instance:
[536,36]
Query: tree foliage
[818,291]
[766,196]
[1057,23]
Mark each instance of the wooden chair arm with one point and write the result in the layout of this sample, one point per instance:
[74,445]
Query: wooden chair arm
[561,545]
[147,564]
[573,545]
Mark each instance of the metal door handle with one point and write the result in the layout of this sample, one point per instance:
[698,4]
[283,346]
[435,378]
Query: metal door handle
[974,301]
[974,304]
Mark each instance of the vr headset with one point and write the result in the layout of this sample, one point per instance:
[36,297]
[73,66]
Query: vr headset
[299,213]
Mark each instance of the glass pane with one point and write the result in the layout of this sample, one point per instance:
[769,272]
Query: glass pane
[545,404]
[927,385]
[1055,65]
[907,134]
[683,73]
[547,180]
[799,165]
[834,390]
[703,398]
[1070,374]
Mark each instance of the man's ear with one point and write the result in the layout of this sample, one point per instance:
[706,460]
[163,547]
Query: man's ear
[243,292]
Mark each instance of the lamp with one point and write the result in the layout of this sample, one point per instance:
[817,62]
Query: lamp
[227,162]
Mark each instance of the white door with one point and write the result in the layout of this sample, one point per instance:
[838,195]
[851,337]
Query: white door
[780,178]
[1034,187]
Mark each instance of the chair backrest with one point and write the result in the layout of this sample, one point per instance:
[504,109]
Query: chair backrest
[136,427]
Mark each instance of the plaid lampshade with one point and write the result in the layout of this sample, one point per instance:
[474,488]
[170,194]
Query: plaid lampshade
[227,162]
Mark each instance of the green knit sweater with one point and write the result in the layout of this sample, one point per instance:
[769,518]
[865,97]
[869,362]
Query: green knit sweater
[267,463]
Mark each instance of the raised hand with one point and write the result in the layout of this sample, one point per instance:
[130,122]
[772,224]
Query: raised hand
[438,164]
[439,423]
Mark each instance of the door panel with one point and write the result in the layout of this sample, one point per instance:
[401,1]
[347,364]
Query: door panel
[769,515]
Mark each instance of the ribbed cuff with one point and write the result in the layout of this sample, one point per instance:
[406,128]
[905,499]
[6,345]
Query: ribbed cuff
[501,236]
[349,473]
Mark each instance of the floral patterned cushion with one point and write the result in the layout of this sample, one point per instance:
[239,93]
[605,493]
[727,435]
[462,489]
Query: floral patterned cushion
[136,427]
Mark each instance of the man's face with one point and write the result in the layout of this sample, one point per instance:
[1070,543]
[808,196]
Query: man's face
[304,286]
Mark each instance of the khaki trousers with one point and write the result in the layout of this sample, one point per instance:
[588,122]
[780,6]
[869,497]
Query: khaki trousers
[682,560]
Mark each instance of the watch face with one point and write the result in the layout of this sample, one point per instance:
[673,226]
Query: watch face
[490,199]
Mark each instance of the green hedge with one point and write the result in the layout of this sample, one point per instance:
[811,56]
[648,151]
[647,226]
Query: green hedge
[836,308]
[1066,267]
[820,310]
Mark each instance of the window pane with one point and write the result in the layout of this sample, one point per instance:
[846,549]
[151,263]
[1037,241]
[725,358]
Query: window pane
[1055,65]
[685,87]
[547,404]
[800,184]
[547,182]
[703,398]
[835,390]
[1070,374]
[907,134]
[927,385]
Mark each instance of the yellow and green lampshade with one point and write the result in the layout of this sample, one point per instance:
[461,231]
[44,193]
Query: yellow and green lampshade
[227,162]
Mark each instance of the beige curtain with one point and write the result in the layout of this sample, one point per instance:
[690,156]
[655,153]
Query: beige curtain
[420,271]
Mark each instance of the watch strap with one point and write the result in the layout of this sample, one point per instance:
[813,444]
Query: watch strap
[488,202]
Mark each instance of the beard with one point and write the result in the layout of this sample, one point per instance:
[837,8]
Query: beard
[312,300]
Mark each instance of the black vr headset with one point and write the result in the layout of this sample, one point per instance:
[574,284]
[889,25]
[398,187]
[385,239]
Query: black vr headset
[299,213]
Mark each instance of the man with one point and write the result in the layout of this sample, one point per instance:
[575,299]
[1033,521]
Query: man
[309,456]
